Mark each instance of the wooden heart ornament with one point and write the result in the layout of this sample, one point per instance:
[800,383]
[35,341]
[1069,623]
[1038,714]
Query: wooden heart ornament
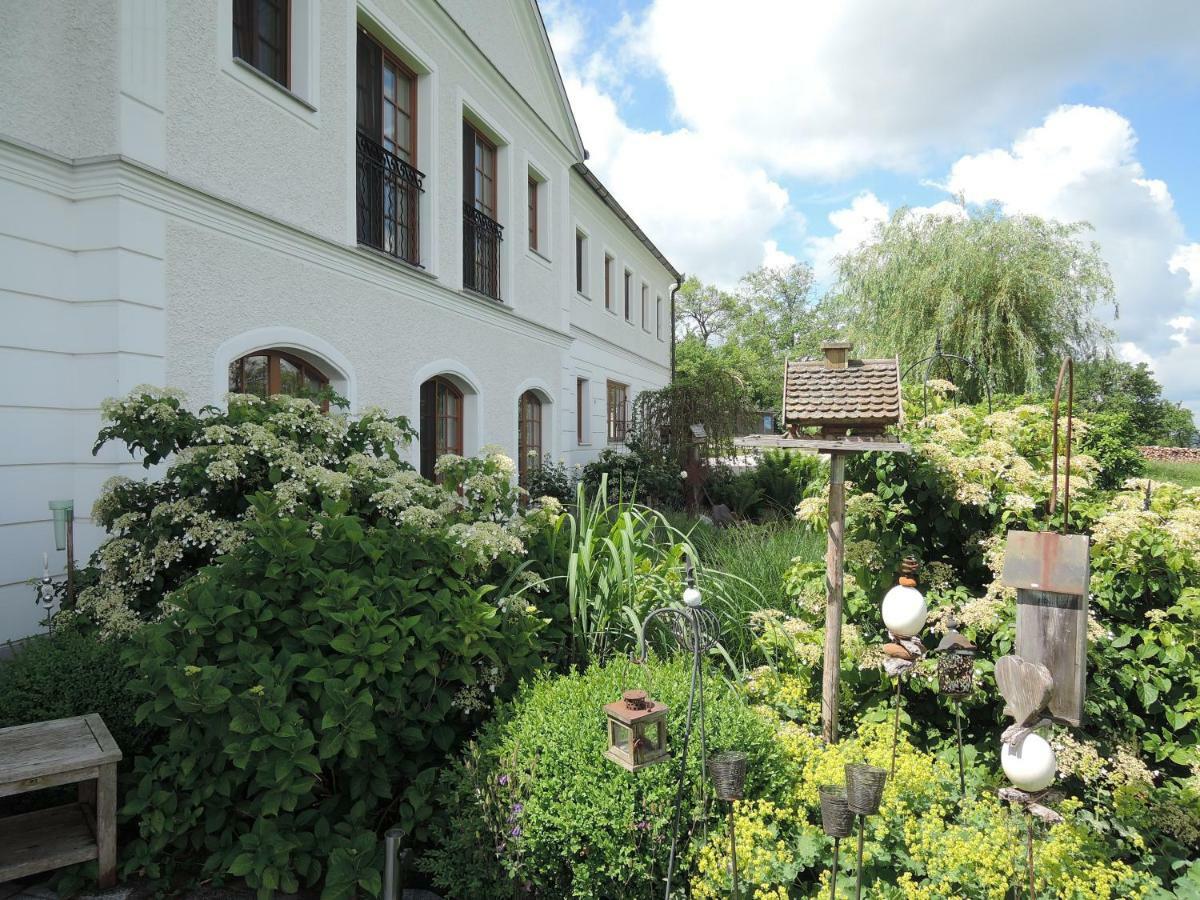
[1025,687]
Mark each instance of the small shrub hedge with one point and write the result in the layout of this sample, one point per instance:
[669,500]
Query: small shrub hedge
[65,674]
[308,690]
[535,807]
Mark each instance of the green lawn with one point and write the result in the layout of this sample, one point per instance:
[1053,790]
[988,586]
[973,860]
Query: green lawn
[1185,473]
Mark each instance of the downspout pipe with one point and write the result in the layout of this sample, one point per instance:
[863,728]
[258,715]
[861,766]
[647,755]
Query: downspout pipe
[675,290]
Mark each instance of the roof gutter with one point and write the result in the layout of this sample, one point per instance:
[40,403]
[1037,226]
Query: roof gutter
[602,192]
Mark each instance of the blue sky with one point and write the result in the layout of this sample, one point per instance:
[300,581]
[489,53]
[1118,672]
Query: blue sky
[769,131]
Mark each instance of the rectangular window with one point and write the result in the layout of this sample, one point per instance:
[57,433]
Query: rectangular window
[618,412]
[261,32]
[580,260]
[608,294]
[628,297]
[479,154]
[658,317]
[388,186]
[645,306]
[482,234]
[582,417]
[533,213]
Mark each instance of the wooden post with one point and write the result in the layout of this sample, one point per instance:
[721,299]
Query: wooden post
[106,825]
[834,564]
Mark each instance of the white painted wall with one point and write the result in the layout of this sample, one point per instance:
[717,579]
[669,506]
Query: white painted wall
[174,210]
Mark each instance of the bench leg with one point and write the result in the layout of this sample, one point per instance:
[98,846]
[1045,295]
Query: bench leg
[106,825]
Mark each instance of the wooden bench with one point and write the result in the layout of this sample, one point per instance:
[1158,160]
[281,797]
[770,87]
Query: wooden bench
[47,754]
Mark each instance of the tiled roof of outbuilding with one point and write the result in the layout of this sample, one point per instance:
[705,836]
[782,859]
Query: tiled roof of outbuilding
[866,392]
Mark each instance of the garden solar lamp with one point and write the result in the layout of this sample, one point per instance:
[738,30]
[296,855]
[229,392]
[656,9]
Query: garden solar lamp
[904,613]
[64,538]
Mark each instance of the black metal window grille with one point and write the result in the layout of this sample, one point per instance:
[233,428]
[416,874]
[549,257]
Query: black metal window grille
[389,202]
[481,251]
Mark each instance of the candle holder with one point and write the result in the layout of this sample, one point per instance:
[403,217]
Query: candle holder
[728,771]
[837,821]
[864,793]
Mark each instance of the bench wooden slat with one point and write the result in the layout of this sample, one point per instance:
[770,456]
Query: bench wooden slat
[47,839]
[48,748]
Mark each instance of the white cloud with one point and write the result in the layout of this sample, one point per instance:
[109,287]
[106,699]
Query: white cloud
[1080,164]
[1187,259]
[811,88]
[774,258]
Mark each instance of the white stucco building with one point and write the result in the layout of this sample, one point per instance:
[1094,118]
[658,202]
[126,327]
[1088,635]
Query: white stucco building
[386,195]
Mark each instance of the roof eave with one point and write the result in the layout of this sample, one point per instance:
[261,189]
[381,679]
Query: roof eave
[619,211]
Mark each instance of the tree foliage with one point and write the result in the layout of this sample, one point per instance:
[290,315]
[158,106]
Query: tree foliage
[1014,293]
[1116,387]
[704,311]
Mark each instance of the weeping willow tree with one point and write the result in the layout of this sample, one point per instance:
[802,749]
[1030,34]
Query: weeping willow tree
[1013,293]
[663,419]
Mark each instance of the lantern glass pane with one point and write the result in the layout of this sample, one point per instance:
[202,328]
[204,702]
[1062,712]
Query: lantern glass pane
[620,736]
[649,736]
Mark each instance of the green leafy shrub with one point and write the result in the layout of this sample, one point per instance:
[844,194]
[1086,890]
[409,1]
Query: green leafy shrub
[641,475]
[67,674]
[161,532]
[534,806]
[309,684]
[1112,440]
[551,479]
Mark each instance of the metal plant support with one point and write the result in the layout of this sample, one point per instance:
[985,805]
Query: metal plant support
[697,630]
[728,771]
[932,360]
[956,679]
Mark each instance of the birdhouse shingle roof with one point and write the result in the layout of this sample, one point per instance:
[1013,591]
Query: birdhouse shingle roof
[865,392]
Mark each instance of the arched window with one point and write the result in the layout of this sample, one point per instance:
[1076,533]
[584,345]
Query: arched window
[269,372]
[441,422]
[529,435]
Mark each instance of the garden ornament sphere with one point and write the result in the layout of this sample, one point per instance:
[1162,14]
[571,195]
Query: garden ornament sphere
[904,611]
[1030,765]
[691,597]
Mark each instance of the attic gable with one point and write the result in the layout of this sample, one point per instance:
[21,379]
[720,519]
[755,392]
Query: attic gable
[512,36]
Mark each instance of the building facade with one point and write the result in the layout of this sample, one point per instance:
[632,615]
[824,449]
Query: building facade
[386,196]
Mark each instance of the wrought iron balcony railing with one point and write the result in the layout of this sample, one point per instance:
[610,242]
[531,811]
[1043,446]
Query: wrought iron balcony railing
[481,252]
[389,202]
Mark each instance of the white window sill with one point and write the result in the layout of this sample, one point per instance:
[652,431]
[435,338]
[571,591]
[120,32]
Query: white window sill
[282,96]
[580,295]
[538,257]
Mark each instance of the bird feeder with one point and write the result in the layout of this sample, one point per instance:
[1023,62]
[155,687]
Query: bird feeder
[637,731]
[956,663]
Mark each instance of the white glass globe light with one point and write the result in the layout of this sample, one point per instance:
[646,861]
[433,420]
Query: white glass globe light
[1031,765]
[904,611]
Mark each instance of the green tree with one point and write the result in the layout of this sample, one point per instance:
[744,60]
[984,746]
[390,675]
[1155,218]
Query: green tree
[1014,293]
[704,311]
[1111,385]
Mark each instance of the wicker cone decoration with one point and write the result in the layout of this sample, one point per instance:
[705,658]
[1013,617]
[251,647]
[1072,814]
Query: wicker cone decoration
[864,788]
[837,820]
[728,771]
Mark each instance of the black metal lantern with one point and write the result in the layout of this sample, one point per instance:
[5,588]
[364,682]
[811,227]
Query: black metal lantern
[956,664]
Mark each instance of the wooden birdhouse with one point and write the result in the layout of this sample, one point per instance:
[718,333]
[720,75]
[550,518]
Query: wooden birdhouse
[1050,572]
[842,396]
[637,731]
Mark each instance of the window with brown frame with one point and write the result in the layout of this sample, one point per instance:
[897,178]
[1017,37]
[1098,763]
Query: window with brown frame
[266,373]
[645,306]
[608,296]
[658,317]
[618,412]
[480,155]
[389,184]
[533,213]
[580,257]
[529,435]
[628,297]
[582,429]
[441,423]
[261,33]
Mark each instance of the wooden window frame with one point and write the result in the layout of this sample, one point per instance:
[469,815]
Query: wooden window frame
[434,385]
[583,433]
[608,295]
[618,402]
[529,424]
[374,129]
[274,378]
[658,316]
[471,170]
[534,190]
[628,296]
[580,254]
[645,307]
[250,17]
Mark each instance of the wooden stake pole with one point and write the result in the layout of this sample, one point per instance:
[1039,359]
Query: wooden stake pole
[834,566]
